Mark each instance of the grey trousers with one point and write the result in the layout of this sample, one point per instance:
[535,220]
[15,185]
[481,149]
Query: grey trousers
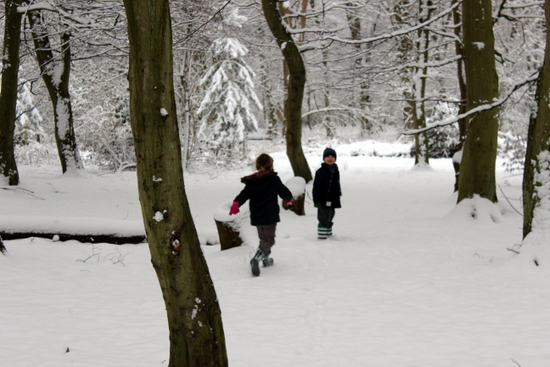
[266,233]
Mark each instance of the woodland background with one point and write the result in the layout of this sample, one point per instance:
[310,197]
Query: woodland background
[361,60]
[167,86]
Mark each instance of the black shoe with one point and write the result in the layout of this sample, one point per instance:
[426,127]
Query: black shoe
[255,262]
[255,267]
[268,261]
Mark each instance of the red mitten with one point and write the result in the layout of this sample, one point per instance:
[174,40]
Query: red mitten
[288,202]
[234,208]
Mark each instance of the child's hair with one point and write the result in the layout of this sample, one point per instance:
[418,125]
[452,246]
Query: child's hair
[264,162]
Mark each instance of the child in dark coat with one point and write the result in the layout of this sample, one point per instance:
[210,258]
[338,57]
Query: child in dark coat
[263,189]
[326,193]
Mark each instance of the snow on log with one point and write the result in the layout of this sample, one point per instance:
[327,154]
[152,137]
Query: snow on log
[93,230]
[297,186]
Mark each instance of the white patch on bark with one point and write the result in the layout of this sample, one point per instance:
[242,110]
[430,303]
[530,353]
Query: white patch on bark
[159,217]
[479,45]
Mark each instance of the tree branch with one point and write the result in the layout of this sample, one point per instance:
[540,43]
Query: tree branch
[473,111]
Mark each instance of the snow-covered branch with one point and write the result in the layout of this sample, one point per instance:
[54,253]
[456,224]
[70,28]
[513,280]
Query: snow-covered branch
[390,35]
[50,7]
[473,111]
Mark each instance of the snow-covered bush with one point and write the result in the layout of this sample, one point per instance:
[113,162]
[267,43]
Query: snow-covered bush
[442,140]
[512,148]
[106,138]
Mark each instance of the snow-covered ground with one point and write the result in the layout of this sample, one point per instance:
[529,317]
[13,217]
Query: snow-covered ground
[410,279]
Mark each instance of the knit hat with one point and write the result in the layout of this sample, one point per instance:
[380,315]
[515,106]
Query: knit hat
[329,151]
[264,161]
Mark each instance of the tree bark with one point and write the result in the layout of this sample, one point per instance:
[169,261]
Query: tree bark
[462,123]
[536,177]
[294,88]
[194,316]
[229,236]
[477,171]
[8,93]
[55,74]
[421,153]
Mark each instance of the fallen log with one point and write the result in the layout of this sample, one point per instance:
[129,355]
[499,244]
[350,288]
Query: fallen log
[82,229]
[115,239]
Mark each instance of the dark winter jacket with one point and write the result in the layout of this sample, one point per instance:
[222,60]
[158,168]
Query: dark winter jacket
[262,189]
[326,186]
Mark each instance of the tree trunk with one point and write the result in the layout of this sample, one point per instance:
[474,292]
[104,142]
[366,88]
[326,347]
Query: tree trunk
[477,171]
[55,74]
[8,93]
[354,25]
[194,316]
[421,156]
[462,123]
[295,90]
[536,177]
[402,16]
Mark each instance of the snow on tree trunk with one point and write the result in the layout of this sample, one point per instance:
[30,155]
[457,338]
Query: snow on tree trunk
[194,316]
[462,123]
[536,179]
[56,73]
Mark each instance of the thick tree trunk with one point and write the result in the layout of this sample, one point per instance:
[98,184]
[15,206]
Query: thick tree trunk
[295,90]
[194,316]
[8,93]
[57,84]
[536,177]
[477,171]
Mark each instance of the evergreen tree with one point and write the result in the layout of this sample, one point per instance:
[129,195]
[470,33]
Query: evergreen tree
[28,123]
[226,110]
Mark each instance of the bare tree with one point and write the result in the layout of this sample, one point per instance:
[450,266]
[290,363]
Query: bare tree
[8,93]
[294,88]
[462,123]
[194,316]
[56,73]
[536,178]
[477,170]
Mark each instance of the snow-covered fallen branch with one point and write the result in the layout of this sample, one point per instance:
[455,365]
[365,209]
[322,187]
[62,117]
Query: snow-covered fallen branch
[28,192]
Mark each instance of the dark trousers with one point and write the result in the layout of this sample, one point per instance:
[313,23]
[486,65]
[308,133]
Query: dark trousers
[266,233]
[325,216]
